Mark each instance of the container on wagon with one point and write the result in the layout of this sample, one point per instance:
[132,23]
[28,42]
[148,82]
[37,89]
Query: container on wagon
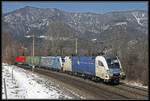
[33,60]
[20,59]
[83,64]
[51,62]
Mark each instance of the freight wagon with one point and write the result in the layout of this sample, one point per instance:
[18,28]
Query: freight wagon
[51,62]
[20,60]
[33,60]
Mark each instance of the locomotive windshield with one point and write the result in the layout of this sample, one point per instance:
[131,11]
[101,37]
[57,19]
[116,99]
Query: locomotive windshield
[113,63]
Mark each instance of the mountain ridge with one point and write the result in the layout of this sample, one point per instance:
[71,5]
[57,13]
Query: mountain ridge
[23,20]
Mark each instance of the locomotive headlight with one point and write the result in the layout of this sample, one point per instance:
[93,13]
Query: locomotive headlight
[123,75]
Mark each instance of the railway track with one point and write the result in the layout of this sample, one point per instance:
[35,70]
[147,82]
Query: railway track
[95,89]
[132,91]
[89,88]
[135,87]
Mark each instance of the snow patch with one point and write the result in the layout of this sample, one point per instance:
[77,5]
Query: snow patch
[32,17]
[121,23]
[143,15]
[27,17]
[75,14]
[135,83]
[47,23]
[35,25]
[8,18]
[27,85]
[135,14]
[44,20]
[105,27]
[28,29]
[18,15]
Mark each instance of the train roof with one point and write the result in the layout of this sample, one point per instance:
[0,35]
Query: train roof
[110,56]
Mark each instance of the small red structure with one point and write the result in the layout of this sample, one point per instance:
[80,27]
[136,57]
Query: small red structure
[21,59]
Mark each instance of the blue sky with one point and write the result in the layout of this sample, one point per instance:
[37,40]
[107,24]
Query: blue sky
[88,6]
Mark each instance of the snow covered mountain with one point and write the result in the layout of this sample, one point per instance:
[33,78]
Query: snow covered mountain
[23,20]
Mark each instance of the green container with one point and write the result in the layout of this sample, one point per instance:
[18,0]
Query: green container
[33,60]
[36,60]
[28,60]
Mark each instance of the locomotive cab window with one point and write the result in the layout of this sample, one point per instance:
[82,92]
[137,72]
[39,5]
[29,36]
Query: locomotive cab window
[63,60]
[113,63]
[100,63]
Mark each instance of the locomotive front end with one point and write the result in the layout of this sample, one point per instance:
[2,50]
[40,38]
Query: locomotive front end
[114,70]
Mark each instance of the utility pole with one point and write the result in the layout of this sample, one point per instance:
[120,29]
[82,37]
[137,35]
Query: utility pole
[33,53]
[76,45]
[6,53]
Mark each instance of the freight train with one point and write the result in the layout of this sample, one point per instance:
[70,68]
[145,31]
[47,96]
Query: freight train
[106,68]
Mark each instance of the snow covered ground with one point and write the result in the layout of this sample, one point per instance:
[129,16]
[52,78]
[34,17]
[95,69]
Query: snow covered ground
[25,84]
[135,84]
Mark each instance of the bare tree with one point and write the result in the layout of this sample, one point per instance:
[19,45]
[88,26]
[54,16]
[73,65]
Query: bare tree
[9,47]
